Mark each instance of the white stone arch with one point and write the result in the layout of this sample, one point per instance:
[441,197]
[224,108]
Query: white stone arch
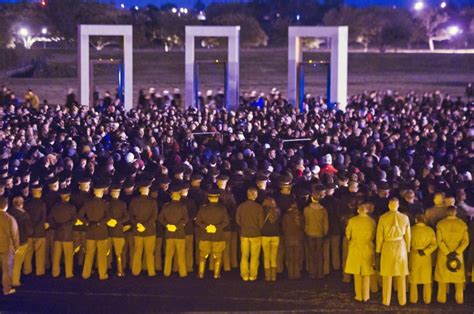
[338,62]
[84,32]
[232,86]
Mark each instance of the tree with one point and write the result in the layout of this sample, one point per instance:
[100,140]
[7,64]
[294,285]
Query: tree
[251,34]
[432,21]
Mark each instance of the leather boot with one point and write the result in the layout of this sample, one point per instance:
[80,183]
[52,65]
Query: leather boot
[202,269]
[267,274]
[217,269]
[120,272]
[273,274]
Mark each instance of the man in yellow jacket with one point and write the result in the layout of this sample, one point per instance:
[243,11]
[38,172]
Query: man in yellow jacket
[360,232]
[392,247]
[423,244]
[453,239]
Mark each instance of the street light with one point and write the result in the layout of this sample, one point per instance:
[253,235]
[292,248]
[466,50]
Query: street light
[174,10]
[44,31]
[122,5]
[443,5]
[453,30]
[419,6]
[23,31]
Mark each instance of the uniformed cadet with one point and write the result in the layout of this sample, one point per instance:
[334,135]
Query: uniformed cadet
[50,197]
[271,231]
[283,200]
[36,209]
[128,249]
[262,185]
[316,229]
[293,235]
[189,227]
[160,232]
[360,232]
[434,214]
[174,216]
[250,219]
[144,214]
[228,200]
[118,217]
[211,218]
[453,239]
[9,243]
[78,199]
[423,244]
[332,243]
[199,196]
[393,245]
[62,218]
[95,215]
[26,230]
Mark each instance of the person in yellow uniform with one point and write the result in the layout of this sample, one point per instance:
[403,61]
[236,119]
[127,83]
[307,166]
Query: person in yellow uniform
[423,244]
[9,243]
[36,208]
[392,248]
[212,218]
[62,218]
[453,239]
[95,215]
[143,215]
[174,216]
[118,215]
[360,233]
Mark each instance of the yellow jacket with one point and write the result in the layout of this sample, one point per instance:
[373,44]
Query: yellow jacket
[423,238]
[452,236]
[316,220]
[393,242]
[360,232]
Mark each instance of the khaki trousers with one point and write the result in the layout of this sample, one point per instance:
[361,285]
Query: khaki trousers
[270,251]
[128,249]
[387,289]
[189,247]
[48,256]
[227,250]
[426,293]
[175,248]
[18,260]
[79,240]
[144,246]
[58,248]
[443,288]
[36,246]
[315,252]
[332,252]
[6,262]
[116,245]
[362,287]
[158,254]
[250,249]
[101,246]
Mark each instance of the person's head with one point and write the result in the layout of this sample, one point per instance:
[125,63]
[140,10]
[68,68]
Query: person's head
[252,194]
[449,200]
[420,218]
[383,190]
[144,188]
[3,204]
[393,204]
[213,196]
[409,196]
[354,186]
[53,185]
[37,191]
[317,193]
[262,182]
[185,190]
[451,211]
[18,202]
[175,193]
[85,185]
[269,202]
[65,194]
[460,195]
[362,209]
[196,180]
[293,206]
[370,207]
[438,199]
[99,192]
[222,181]
[115,191]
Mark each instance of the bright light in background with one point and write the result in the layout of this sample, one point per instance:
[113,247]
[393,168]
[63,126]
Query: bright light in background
[136,8]
[454,30]
[44,31]
[174,10]
[24,31]
[185,11]
[419,6]
[443,5]
[122,5]
[298,17]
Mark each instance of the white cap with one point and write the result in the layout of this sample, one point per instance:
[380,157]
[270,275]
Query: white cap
[129,158]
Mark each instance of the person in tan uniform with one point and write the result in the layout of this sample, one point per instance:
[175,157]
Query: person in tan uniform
[189,227]
[144,214]
[228,200]
[128,250]
[392,248]
[78,199]
[119,216]
[160,231]
[212,218]
[271,231]
[360,233]
[293,235]
[9,243]
[316,229]
[250,219]
[50,197]
[26,229]
[36,209]
[453,239]
[62,218]
[95,215]
[174,216]
[423,244]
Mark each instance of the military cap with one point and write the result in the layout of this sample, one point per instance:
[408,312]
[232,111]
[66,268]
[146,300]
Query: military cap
[128,183]
[196,177]
[179,169]
[285,181]
[185,185]
[100,184]
[65,191]
[261,178]
[52,181]
[175,188]
[222,177]
[214,192]
[303,192]
[383,186]
[143,183]
[318,188]
[84,180]
[163,180]
[36,187]
[115,186]
[330,186]
[237,178]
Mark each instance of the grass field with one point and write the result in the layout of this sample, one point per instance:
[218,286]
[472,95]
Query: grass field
[262,70]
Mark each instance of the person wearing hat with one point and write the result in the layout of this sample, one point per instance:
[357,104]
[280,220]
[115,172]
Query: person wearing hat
[392,248]
[423,244]
[50,198]
[332,247]
[78,199]
[360,232]
[438,212]
[95,215]
[316,229]
[174,216]
[271,231]
[189,227]
[9,243]
[285,198]
[293,236]
[62,219]
[143,215]
[36,209]
[211,219]
[127,196]
[410,206]
[453,239]
[227,199]
[250,218]
[262,182]
[199,196]
[160,232]
[25,227]
[381,199]
[119,213]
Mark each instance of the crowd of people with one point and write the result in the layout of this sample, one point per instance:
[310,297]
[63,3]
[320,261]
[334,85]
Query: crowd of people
[382,190]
